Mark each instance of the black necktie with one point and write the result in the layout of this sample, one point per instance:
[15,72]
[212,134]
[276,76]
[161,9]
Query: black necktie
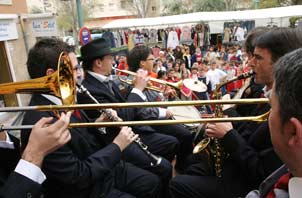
[109,86]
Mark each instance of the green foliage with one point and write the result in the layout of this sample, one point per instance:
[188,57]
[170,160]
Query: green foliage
[269,3]
[209,5]
[293,20]
[183,6]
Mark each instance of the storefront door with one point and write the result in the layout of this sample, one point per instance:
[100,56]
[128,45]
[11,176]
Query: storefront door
[5,77]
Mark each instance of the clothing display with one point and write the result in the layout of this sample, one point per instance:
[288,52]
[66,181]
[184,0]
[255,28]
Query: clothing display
[185,37]
[227,33]
[172,39]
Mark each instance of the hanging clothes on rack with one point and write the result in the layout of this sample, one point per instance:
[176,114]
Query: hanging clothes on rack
[172,39]
[153,36]
[227,33]
[185,37]
[109,37]
[130,40]
[138,38]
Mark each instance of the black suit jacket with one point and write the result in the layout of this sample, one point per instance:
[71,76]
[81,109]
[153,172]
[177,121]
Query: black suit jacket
[82,166]
[251,160]
[10,158]
[12,184]
[19,186]
[101,92]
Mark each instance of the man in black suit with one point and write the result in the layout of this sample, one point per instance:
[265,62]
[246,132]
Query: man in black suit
[86,166]
[97,61]
[27,177]
[251,155]
[140,58]
[286,129]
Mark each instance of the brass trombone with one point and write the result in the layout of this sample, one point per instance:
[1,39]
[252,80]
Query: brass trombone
[259,118]
[176,85]
[60,83]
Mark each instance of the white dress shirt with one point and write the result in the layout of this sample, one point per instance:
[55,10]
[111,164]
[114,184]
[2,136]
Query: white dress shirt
[24,167]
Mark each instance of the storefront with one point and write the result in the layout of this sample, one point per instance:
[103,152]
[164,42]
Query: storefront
[17,35]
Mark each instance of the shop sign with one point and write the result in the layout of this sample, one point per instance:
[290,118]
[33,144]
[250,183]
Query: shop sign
[6,2]
[8,30]
[44,27]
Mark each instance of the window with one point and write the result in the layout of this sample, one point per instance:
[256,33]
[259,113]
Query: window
[153,8]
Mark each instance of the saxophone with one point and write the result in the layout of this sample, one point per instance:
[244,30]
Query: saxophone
[212,145]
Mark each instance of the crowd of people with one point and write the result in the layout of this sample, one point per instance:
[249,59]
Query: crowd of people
[211,66]
[58,161]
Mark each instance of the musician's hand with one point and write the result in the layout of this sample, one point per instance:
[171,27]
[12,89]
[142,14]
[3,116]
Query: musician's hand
[112,116]
[219,129]
[125,137]
[170,92]
[169,114]
[141,80]
[45,139]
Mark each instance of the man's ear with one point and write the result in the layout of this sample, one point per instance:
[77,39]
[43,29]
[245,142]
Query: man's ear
[98,62]
[141,64]
[295,135]
[49,71]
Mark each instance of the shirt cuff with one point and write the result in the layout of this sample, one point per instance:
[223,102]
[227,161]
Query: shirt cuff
[140,93]
[30,171]
[7,143]
[162,113]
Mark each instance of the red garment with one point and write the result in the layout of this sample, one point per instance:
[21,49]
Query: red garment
[186,91]
[173,80]
[122,66]
[282,183]
[178,31]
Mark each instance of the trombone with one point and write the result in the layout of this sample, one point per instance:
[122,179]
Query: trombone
[60,83]
[259,118]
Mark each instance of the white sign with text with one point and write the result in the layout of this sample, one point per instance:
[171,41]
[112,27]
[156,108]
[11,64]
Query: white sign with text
[8,30]
[44,27]
[6,2]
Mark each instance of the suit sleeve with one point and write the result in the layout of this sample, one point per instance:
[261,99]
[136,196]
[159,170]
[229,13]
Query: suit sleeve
[146,113]
[256,163]
[10,157]
[19,186]
[124,113]
[68,166]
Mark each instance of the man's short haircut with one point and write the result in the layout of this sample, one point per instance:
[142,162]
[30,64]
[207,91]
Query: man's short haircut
[161,73]
[288,85]
[279,41]
[136,55]
[44,55]
[252,35]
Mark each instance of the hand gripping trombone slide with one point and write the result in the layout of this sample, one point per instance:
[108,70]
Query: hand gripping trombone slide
[155,160]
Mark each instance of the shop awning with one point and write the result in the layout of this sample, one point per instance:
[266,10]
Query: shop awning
[270,13]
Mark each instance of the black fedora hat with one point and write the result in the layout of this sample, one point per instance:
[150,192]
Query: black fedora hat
[96,48]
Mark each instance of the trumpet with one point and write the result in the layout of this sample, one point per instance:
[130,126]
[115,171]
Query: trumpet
[176,85]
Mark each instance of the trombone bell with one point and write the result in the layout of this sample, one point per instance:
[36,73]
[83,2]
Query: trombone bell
[61,83]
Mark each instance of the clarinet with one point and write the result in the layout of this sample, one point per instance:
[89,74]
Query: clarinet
[155,160]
